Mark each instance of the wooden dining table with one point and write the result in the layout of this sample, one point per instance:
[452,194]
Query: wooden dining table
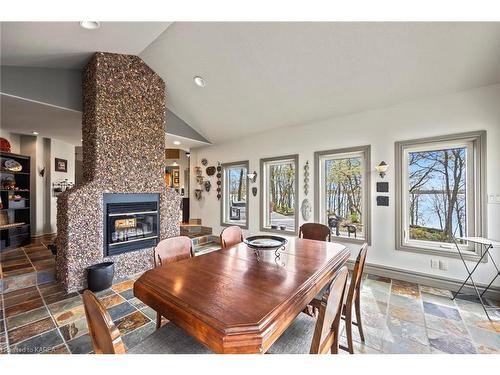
[235,301]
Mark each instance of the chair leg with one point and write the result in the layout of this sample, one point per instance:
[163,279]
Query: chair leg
[158,320]
[335,346]
[357,307]
[348,329]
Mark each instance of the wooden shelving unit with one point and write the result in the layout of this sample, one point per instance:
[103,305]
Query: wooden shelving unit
[16,213]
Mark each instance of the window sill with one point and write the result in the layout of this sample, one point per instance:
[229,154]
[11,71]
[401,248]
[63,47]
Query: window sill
[242,226]
[284,232]
[359,241]
[442,253]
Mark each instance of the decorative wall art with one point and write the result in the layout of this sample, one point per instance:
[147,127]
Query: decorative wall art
[252,177]
[219,182]
[306,178]
[210,171]
[61,165]
[382,201]
[254,191]
[305,209]
[204,162]
[382,187]
[207,185]
[4,145]
[197,194]
[175,178]
[199,175]
[11,165]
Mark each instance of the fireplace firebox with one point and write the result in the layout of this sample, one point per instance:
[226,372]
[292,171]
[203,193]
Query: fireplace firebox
[131,222]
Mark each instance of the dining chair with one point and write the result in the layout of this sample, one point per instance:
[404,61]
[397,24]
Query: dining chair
[316,336]
[353,299]
[315,231]
[106,338]
[171,250]
[231,236]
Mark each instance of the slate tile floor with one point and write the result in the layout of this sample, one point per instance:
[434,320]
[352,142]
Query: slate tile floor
[398,317]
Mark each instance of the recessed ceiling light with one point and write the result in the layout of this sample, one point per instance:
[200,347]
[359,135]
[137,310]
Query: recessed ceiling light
[90,25]
[199,81]
[34,133]
[177,143]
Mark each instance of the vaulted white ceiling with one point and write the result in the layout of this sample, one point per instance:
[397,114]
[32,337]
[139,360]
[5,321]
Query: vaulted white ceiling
[268,75]
[69,46]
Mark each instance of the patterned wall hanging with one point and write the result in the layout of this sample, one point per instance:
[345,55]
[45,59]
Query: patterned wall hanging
[219,181]
[306,178]
[305,208]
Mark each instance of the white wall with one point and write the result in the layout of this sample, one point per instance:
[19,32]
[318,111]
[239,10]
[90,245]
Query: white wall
[14,140]
[60,150]
[43,152]
[477,109]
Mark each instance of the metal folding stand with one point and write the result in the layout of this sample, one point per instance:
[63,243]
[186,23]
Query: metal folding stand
[487,245]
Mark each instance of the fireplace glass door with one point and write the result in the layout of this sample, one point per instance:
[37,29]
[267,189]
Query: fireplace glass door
[132,222]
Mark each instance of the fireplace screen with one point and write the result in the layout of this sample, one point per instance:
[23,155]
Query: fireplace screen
[131,222]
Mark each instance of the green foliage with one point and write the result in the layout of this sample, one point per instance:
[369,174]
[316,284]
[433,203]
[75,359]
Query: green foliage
[428,234]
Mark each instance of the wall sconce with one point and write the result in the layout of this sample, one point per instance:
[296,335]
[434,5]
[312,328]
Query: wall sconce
[381,168]
[252,176]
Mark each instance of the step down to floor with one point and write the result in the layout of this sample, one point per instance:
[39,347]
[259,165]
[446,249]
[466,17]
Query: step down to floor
[205,244]
[26,266]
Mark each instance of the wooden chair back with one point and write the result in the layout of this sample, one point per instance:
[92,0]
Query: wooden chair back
[357,274]
[326,331]
[106,338]
[172,250]
[230,236]
[315,231]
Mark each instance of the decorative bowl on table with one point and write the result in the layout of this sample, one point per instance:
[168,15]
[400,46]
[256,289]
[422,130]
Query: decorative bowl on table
[265,242]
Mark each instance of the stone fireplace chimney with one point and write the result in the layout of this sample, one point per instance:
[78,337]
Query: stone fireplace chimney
[123,131]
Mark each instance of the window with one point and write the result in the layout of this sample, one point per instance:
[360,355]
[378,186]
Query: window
[439,192]
[343,192]
[279,189]
[235,194]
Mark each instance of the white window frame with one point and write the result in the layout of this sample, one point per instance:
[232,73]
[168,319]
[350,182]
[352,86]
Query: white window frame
[264,192]
[320,188]
[224,215]
[475,143]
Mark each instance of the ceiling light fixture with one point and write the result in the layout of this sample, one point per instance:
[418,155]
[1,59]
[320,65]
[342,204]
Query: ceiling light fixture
[177,143]
[199,81]
[34,133]
[90,25]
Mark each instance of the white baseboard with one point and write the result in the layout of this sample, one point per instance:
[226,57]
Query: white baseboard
[425,279]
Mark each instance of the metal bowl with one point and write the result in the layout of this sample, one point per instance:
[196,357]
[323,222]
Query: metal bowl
[263,242]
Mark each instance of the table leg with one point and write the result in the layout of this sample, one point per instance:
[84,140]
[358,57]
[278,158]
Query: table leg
[479,295]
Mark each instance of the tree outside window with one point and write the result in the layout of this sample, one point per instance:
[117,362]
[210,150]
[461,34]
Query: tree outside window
[279,184]
[437,193]
[440,190]
[343,192]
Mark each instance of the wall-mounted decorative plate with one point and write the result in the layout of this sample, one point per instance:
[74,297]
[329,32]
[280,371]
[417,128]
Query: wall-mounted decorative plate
[305,209]
[12,165]
[204,162]
[210,171]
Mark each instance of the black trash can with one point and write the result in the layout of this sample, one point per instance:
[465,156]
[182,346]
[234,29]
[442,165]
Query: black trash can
[100,276]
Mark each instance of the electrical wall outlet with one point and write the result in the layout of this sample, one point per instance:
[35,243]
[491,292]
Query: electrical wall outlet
[494,198]
[443,265]
[435,263]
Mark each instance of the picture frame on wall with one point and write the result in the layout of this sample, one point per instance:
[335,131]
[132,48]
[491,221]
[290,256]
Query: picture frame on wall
[175,174]
[61,165]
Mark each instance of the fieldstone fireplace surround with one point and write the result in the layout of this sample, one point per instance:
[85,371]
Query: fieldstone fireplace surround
[123,131]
